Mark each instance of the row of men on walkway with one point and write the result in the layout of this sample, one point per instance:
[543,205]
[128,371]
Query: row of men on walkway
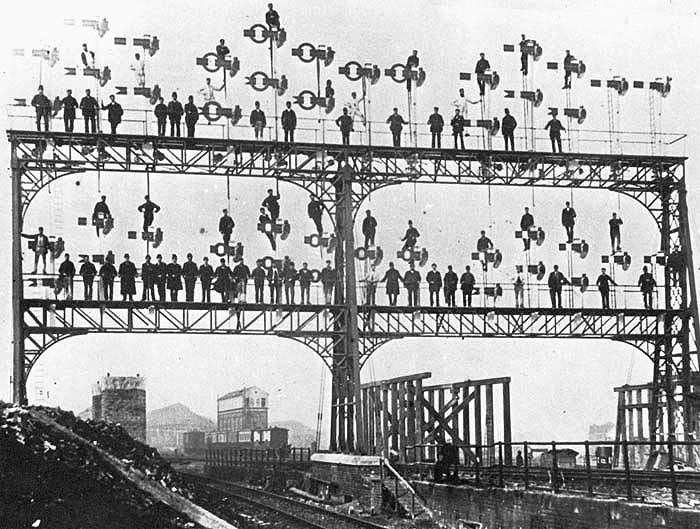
[232,283]
[174,112]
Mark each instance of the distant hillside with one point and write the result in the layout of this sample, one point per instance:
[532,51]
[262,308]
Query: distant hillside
[179,415]
[300,435]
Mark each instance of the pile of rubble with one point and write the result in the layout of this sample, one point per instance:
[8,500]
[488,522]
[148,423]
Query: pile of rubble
[50,479]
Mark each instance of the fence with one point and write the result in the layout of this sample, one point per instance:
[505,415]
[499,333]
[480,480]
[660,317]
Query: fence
[584,466]
[325,130]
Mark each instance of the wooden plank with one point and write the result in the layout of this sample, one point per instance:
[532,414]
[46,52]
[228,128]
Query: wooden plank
[490,438]
[470,383]
[640,416]
[394,396]
[442,411]
[507,434]
[378,424]
[411,420]
[630,417]
[398,380]
[454,415]
[365,417]
[386,420]
[401,386]
[478,439]
[429,431]
[466,427]
[419,417]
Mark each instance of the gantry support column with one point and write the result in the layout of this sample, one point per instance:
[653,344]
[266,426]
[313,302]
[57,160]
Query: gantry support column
[19,387]
[347,433]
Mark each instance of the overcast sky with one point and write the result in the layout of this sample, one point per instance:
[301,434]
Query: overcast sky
[559,386]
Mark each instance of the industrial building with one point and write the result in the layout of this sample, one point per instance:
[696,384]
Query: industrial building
[244,409]
[121,400]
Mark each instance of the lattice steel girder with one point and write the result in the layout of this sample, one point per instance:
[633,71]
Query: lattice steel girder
[47,156]
[305,322]
[193,318]
[624,325]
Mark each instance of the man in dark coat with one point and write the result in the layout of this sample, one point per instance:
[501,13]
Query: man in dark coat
[100,213]
[467,282]
[241,275]
[107,274]
[222,50]
[258,121]
[66,273]
[411,280]
[289,123]
[555,129]
[114,113]
[344,122]
[568,61]
[555,281]
[272,17]
[305,278]
[647,283]
[189,273]
[226,226]
[160,275]
[259,274]
[482,65]
[437,123]
[527,221]
[274,281]
[191,116]
[329,278]
[458,128]
[89,106]
[173,277]
[272,204]
[148,209]
[615,222]
[604,281]
[161,112]
[450,281]
[315,212]
[88,273]
[41,247]
[265,219]
[147,279]
[568,220]
[42,106]
[289,278]
[206,273]
[434,279]
[369,228]
[69,104]
[396,123]
[523,55]
[175,112]
[127,277]
[222,281]
[508,125]
[392,277]
[410,237]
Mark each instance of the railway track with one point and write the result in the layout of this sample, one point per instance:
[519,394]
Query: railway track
[300,513]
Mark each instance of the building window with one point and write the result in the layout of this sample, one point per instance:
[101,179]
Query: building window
[262,403]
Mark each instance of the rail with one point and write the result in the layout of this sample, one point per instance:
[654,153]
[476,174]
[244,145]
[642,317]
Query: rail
[535,295]
[622,468]
[309,514]
[315,130]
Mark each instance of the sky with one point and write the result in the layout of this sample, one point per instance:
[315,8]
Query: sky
[559,387]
